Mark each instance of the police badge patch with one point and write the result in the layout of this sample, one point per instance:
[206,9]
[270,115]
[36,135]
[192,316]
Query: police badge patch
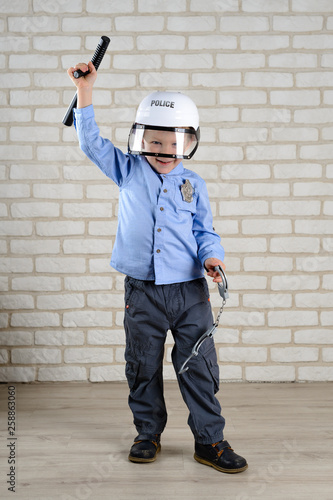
[187,191]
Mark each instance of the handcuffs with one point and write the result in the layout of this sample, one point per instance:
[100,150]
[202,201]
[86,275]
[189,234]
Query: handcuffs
[223,291]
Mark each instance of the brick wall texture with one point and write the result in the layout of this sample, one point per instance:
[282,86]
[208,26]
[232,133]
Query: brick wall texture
[261,73]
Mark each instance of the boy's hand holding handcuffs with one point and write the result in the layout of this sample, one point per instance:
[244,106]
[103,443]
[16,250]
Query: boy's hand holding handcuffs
[210,264]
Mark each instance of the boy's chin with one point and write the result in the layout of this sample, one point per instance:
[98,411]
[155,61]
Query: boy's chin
[163,165]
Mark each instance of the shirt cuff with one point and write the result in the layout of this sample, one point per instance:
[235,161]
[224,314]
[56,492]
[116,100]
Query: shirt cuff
[214,254]
[83,114]
[87,112]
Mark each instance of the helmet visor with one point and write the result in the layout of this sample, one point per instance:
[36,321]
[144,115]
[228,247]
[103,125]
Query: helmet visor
[163,142]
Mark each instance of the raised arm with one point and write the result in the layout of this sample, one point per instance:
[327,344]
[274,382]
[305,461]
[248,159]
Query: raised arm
[112,161]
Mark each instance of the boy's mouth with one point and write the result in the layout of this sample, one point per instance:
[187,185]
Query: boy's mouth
[163,165]
[164,162]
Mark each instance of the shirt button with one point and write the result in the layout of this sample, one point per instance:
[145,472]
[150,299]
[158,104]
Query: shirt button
[159,230]
[165,190]
[158,251]
[161,209]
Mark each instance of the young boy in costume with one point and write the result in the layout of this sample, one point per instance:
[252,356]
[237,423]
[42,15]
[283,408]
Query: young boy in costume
[165,240]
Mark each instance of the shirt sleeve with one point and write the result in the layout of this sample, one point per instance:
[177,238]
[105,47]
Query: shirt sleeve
[112,161]
[209,242]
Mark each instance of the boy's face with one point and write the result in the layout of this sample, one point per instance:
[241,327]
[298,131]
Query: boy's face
[163,142]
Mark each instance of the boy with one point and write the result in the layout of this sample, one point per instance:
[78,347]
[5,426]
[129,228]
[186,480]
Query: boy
[165,240]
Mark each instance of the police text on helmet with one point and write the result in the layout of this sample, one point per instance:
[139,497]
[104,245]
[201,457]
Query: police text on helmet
[166,104]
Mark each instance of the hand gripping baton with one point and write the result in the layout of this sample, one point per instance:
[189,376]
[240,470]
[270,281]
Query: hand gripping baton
[96,60]
[223,291]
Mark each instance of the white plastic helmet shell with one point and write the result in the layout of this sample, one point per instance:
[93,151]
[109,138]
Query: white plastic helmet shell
[165,113]
[168,109]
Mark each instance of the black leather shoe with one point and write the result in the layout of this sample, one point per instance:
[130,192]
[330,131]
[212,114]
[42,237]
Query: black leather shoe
[145,451]
[220,456]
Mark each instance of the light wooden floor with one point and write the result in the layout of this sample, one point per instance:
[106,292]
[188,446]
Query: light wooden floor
[73,442]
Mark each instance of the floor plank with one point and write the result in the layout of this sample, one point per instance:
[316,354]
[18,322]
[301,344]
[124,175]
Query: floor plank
[73,442]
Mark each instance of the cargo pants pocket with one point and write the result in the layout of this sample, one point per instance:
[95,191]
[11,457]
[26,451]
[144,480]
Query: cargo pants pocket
[210,358]
[131,371]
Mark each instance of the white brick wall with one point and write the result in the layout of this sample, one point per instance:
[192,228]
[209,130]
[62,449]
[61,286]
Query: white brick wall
[261,74]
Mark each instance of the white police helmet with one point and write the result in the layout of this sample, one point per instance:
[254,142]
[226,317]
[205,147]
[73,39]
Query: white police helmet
[171,113]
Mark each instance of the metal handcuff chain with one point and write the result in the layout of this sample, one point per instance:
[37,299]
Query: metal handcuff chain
[223,291]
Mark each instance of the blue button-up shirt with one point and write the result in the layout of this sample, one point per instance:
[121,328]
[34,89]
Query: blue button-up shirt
[160,236]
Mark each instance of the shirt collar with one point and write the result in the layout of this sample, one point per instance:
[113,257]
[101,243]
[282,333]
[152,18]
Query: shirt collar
[178,170]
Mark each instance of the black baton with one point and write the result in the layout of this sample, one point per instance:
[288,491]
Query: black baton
[96,60]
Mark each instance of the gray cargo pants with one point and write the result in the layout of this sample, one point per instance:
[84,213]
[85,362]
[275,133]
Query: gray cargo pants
[150,311]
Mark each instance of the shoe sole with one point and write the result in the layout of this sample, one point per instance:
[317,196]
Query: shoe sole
[144,460]
[217,467]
